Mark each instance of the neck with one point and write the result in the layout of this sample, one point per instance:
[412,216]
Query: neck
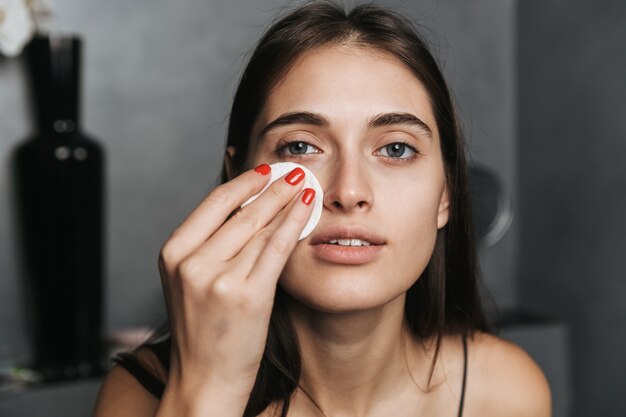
[352,363]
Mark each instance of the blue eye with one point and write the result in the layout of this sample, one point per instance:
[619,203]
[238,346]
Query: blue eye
[396,150]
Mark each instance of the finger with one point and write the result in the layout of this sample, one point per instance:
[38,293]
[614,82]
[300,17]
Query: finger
[238,230]
[270,263]
[242,263]
[211,213]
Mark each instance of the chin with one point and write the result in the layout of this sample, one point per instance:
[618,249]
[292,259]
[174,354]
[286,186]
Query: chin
[340,294]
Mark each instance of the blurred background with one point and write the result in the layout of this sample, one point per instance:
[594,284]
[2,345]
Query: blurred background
[539,87]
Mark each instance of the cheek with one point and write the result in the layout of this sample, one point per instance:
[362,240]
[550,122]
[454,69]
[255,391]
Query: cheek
[252,162]
[412,223]
[411,215]
[413,204]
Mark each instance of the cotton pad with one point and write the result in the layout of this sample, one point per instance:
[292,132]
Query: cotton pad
[281,168]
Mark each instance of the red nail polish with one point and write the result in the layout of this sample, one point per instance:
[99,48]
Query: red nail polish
[308,196]
[263,169]
[295,176]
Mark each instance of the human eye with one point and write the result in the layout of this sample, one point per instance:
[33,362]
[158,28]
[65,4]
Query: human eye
[395,150]
[294,149]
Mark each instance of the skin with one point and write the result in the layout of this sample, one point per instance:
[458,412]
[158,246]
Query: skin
[358,359]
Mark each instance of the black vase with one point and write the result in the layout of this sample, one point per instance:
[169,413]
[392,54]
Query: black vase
[59,177]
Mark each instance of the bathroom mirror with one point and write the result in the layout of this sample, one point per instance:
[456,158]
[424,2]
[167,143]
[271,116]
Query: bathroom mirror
[491,205]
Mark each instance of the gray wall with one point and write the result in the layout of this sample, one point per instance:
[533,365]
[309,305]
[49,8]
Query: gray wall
[158,82]
[157,85]
[572,172]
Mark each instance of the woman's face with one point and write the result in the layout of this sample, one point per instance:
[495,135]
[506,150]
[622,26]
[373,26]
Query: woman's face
[383,173]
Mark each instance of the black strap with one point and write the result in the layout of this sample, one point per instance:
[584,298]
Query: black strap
[149,381]
[464,376]
[162,352]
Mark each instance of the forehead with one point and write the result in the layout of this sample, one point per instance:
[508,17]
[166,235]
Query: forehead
[347,82]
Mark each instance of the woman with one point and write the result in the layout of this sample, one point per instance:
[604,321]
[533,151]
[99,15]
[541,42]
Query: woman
[264,324]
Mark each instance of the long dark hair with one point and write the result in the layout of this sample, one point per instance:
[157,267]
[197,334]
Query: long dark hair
[445,299]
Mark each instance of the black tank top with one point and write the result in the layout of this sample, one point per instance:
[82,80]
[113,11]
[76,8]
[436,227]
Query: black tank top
[156,387]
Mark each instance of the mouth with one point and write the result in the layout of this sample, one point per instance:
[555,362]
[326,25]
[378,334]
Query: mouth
[347,235]
[351,244]
[347,254]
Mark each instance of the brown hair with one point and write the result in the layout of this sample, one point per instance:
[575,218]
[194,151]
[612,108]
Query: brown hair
[445,299]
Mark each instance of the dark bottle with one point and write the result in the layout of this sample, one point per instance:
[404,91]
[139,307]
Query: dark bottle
[60,187]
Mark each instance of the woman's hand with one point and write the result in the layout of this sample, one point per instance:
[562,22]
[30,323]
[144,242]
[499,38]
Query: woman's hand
[219,275]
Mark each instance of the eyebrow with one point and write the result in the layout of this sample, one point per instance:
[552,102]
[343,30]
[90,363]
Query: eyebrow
[303,117]
[313,119]
[407,119]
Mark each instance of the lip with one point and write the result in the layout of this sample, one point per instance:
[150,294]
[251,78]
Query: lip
[346,231]
[349,255]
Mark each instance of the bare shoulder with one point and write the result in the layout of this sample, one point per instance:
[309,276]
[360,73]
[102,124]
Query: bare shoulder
[122,395]
[503,380]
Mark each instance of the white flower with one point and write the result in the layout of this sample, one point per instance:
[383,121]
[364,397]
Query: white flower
[16,27]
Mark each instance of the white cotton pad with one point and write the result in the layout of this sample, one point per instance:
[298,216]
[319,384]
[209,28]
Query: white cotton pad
[281,168]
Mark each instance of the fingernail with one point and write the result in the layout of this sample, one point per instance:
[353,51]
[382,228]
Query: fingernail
[308,196]
[295,176]
[263,169]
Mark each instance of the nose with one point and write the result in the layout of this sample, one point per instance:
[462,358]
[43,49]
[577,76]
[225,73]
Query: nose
[348,187]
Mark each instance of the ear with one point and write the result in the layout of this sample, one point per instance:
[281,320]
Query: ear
[228,162]
[444,208]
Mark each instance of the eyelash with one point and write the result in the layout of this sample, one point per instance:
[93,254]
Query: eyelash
[283,145]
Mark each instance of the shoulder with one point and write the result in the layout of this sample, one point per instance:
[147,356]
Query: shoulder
[121,394]
[503,380]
